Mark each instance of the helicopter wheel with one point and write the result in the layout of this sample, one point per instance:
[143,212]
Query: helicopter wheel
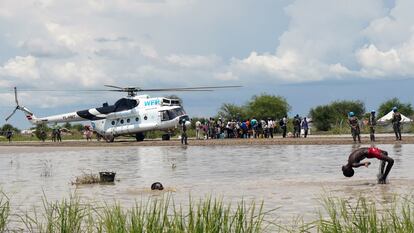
[140,137]
[109,138]
[166,137]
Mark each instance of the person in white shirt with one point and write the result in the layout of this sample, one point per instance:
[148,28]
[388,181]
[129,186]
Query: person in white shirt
[198,129]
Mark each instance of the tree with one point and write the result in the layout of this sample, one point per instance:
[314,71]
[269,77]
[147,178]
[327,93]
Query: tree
[41,131]
[322,117]
[231,111]
[67,125]
[78,127]
[325,116]
[7,127]
[264,106]
[403,108]
[343,107]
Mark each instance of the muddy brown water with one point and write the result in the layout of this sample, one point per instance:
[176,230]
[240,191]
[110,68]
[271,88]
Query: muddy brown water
[291,177]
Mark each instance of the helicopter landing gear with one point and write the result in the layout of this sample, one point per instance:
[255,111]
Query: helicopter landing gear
[109,138]
[140,137]
[166,137]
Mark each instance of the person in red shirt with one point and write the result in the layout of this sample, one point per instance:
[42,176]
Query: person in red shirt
[355,158]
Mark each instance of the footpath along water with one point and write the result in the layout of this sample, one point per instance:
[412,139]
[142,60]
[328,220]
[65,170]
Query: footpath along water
[292,177]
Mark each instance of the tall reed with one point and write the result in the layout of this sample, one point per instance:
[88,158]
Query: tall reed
[154,215]
[364,216]
[4,212]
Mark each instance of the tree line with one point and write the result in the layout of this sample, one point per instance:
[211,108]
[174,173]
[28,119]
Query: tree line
[324,117]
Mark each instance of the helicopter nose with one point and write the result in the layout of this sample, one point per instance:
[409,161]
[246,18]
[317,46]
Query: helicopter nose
[187,123]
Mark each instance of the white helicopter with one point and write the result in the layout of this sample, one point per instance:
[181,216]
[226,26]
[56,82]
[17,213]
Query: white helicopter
[133,115]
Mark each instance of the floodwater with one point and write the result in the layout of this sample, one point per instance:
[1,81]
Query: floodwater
[291,177]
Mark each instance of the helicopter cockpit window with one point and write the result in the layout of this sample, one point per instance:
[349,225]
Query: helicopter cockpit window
[172,114]
[125,104]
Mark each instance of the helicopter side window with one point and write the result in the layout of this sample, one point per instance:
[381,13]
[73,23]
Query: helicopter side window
[122,121]
[113,123]
[137,119]
[128,120]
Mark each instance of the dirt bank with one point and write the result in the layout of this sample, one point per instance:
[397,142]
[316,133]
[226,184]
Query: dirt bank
[313,140]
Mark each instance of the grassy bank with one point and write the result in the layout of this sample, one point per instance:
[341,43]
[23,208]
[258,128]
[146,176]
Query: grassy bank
[204,216]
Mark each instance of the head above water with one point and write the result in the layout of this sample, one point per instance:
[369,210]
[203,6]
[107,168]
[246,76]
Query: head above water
[348,171]
[157,186]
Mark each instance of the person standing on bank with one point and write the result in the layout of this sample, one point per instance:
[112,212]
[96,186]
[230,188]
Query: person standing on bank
[396,123]
[372,122]
[9,135]
[296,126]
[305,126]
[198,129]
[283,124]
[183,133]
[354,124]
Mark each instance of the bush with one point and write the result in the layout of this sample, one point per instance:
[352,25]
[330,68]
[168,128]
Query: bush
[403,108]
[324,117]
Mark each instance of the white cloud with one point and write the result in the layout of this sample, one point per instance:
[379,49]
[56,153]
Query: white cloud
[378,62]
[193,61]
[226,76]
[167,42]
[20,68]
[328,40]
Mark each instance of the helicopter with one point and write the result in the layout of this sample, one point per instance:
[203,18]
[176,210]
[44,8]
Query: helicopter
[132,115]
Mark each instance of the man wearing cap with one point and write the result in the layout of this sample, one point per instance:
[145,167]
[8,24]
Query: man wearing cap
[372,122]
[396,123]
[354,124]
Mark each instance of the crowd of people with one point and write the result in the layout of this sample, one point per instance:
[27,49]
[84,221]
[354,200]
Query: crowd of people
[250,128]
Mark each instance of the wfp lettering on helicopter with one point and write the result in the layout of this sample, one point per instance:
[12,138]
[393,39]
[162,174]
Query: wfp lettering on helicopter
[152,102]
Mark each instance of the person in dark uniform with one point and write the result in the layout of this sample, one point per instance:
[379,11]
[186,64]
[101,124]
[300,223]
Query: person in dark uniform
[372,122]
[354,124]
[355,158]
[183,133]
[296,126]
[9,135]
[283,125]
[396,123]
[58,135]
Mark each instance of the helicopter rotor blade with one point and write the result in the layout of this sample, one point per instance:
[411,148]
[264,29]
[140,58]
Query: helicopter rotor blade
[175,90]
[114,87]
[14,111]
[190,88]
[15,96]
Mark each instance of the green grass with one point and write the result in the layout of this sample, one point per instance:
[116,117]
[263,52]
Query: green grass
[154,215]
[4,212]
[209,215]
[365,216]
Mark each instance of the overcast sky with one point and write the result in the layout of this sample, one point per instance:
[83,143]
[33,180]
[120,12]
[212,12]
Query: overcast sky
[309,51]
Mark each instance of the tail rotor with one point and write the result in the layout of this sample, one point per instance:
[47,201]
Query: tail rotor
[18,107]
[14,111]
